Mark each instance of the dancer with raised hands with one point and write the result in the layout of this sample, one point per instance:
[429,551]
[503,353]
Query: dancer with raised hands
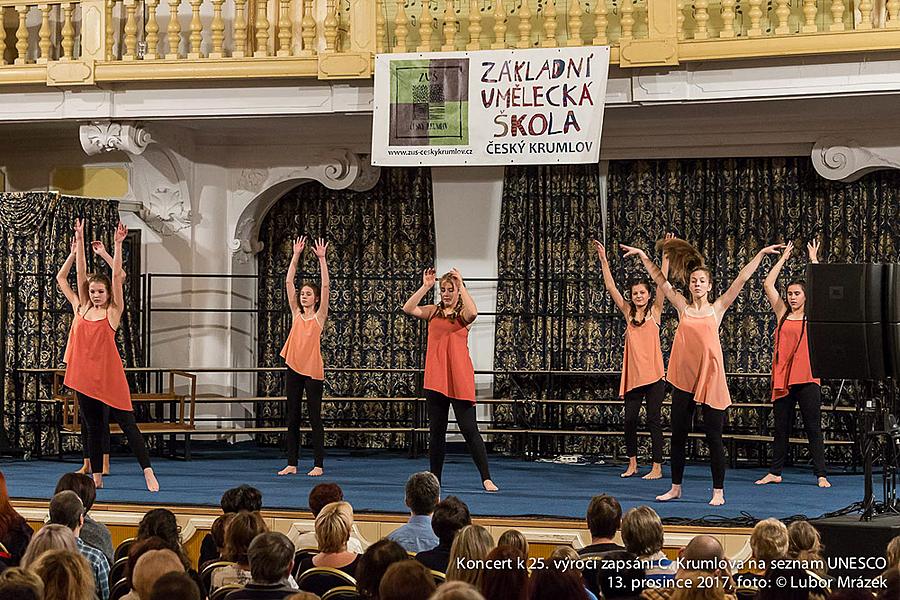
[696,364]
[643,375]
[449,374]
[302,353]
[93,365]
[792,379]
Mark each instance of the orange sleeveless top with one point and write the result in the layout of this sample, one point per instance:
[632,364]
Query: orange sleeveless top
[93,364]
[302,350]
[642,363]
[696,364]
[790,365]
[448,366]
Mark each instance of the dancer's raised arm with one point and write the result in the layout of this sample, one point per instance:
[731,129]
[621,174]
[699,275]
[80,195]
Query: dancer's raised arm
[289,286]
[812,248]
[411,307]
[724,301]
[608,280]
[117,301]
[661,296]
[320,250]
[62,279]
[81,277]
[469,311]
[662,283]
[772,295]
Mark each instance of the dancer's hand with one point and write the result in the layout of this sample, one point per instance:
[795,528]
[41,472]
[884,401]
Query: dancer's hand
[320,248]
[601,251]
[786,254]
[632,251]
[428,278]
[98,247]
[121,233]
[456,275]
[79,229]
[812,248]
[773,249]
[299,244]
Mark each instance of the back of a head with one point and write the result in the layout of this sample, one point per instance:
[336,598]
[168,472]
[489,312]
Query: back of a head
[333,526]
[66,575]
[406,580]
[803,537]
[271,556]
[554,584]
[423,491]
[151,566]
[472,544]
[563,558]
[698,588]
[604,515]
[175,586]
[374,563]
[82,485]
[514,538]
[322,495]
[507,577]
[683,258]
[242,497]
[769,540]
[242,528]
[139,549]
[703,553]
[161,523]
[893,552]
[49,537]
[642,531]
[66,509]
[625,580]
[303,596]
[891,589]
[18,584]
[457,590]
[450,515]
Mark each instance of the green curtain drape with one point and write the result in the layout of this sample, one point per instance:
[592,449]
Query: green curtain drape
[379,242]
[35,237]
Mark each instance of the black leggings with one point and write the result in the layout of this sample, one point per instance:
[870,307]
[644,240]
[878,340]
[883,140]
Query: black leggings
[85,445]
[438,414]
[93,411]
[682,420]
[654,393]
[294,386]
[809,397]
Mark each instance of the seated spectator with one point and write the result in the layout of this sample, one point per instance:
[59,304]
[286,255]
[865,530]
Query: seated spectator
[18,584]
[449,517]
[149,568]
[507,576]
[642,532]
[243,497]
[66,575]
[698,588]
[564,558]
[161,523]
[175,586]
[625,581]
[303,596]
[271,560]
[472,543]
[406,580]
[554,584]
[15,533]
[456,590]
[49,537]
[66,509]
[217,535]
[805,544]
[320,496]
[891,589]
[704,556]
[333,526]
[93,533]
[373,564]
[768,542]
[137,550]
[893,553]
[514,538]
[604,516]
[423,492]
[242,528]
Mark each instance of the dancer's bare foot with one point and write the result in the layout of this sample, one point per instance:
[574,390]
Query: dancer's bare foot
[106,464]
[769,478]
[150,478]
[316,472]
[655,472]
[98,480]
[718,498]
[632,467]
[288,470]
[85,468]
[824,483]
[672,494]
[489,486]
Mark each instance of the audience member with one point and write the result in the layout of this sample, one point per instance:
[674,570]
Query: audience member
[768,542]
[695,586]
[506,577]
[625,580]
[472,543]
[49,537]
[373,564]
[303,596]
[406,580]
[333,526]
[703,556]
[604,516]
[66,509]
[893,553]
[242,528]
[805,544]
[423,492]
[243,497]
[891,589]
[137,550]
[554,584]
[175,586]
[456,590]
[271,559]
[449,517]
[15,533]
[149,568]
[217,537]
[642,533]
[565,558]
[514,538]
[66,575]
[320,496]
[161,523]
[18,584]
[93,533]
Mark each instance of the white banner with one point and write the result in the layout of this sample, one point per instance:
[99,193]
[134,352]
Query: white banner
[489,107]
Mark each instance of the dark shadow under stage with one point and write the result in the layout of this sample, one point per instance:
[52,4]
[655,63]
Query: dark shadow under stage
[373,481]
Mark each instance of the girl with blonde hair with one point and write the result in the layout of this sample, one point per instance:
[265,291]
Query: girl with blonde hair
[472,543]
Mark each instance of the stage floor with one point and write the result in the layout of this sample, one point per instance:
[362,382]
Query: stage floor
[374,482]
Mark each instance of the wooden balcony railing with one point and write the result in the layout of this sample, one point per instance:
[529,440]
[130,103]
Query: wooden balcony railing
[88,41]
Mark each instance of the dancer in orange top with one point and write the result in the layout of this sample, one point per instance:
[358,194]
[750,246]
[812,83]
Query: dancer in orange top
[643,376]
[696,364]
[792,379]
[302,354]
[93,365]
[449,374]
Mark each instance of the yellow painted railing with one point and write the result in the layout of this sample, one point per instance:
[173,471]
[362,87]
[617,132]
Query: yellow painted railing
[89,41]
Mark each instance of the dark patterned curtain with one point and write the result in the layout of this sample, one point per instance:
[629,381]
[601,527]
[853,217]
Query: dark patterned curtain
[379,242]
[35,237]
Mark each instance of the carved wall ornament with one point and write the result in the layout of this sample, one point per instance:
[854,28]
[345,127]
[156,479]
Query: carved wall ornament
[165,211]
[107,136]
[848,159]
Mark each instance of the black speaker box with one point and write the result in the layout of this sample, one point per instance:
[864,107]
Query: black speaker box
[892,293]
[847,350]
[844,293]
[847,539]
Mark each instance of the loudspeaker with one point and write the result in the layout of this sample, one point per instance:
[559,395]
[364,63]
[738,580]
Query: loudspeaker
[855,548]
[847,350]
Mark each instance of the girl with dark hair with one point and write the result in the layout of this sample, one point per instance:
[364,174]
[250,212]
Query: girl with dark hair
[93,366]
[15,533]
[643,375]
[302,353]
[449,374]
[792,379]
[696,363]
